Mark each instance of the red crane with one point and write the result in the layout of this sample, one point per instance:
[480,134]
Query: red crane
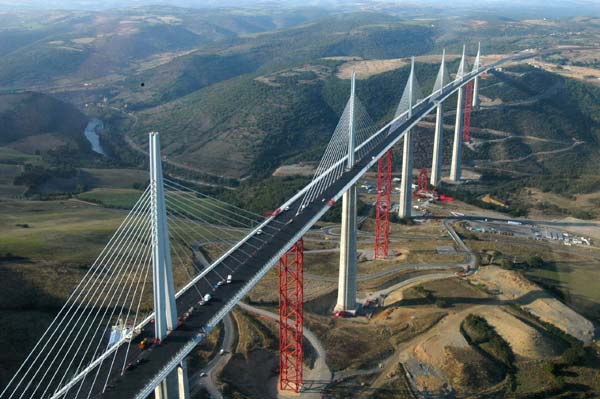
[291,315]
[382,205]
[466,133]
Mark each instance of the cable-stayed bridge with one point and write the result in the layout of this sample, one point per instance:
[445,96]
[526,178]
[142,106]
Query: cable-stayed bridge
[124,332]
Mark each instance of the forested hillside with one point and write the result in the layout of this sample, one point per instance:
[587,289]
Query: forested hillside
[56,47]
[250,126]
[357,35]
[37,122]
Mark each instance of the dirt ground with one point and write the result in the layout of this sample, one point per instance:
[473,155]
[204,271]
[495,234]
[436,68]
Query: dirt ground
[298,169]
[525,340]
[368,68]
[511,286]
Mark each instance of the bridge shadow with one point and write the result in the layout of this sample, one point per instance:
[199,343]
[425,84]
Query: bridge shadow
[314,386]
[452,301]
[505,219]
[352,389]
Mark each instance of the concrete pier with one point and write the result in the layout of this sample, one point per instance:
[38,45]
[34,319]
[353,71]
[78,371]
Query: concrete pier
[476,93]
[406,182]
[476,66]
[438,146]
[438,140]
[455,166]
[405,205]
[182,379]
[346,299]
[175,386]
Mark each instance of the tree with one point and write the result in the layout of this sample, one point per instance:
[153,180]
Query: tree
[573,355]
[534,262]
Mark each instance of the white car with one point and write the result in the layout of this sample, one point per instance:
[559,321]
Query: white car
[204,299]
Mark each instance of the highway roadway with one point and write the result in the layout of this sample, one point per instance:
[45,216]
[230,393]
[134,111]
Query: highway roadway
[207,376]
[257,254]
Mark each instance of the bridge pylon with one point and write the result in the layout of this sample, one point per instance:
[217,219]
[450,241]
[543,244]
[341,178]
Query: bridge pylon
[438,141]
[346,299]
[456,165]
[476,66]
[165,309]
[410,96]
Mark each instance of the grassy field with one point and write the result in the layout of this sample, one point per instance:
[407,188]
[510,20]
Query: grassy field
[123,198]
[117,178]
[578,283]
[11,162]
[9,155]
[55,232]
[7,174]
[48,243]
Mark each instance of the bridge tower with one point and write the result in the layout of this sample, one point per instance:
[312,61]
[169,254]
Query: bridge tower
[405,210]
[476,66]
[456,165]
[175,386]
[346,299]
[438,141]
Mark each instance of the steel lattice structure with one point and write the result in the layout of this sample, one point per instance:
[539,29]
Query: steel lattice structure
[383,205]
[468,108]
[291,314]
[423,181]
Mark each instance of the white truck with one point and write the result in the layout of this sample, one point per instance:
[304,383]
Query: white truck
[229,278]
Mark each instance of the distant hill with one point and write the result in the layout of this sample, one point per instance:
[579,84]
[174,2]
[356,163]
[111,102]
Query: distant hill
[51,48]
[251,125]
[33,122]
[366,35]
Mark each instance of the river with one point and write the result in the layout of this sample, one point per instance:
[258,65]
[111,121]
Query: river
[91,134]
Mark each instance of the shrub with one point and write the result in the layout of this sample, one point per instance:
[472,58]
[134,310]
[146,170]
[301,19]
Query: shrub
[574,355]
[534,262]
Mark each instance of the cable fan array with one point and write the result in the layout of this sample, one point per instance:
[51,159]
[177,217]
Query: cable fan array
[333,162]
[90,339]
[110,293]
[202,229]
[333,165]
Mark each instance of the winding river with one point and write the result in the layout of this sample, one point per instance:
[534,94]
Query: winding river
[91,134]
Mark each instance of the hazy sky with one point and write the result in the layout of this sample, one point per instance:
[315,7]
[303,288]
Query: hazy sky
[579,7]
